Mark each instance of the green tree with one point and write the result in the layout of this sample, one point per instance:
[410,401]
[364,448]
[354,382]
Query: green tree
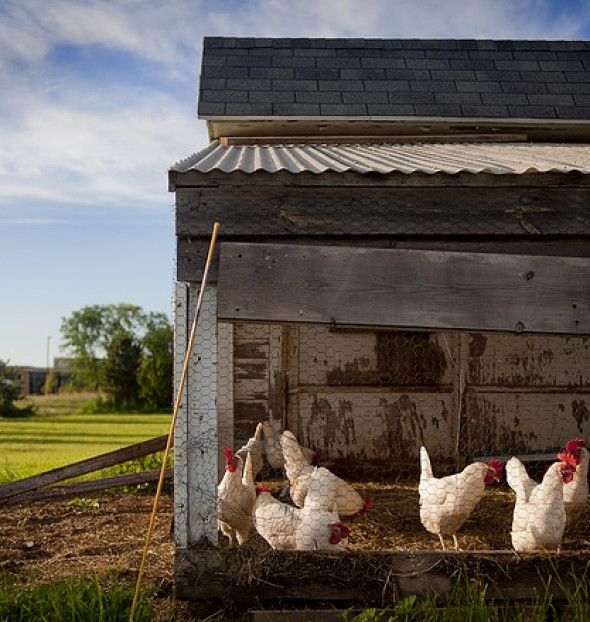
[121,369]
[155,372]
[10,388]
[88,332]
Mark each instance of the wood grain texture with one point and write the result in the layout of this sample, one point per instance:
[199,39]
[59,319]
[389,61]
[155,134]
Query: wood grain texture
[83,466]
[402,288]
[77,488]
[192,252]
[286,211]
[389,576]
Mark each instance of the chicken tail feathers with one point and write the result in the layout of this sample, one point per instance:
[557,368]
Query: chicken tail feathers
[258,433]
[425,466]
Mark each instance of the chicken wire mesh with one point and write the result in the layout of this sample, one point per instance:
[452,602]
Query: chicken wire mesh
[350,439]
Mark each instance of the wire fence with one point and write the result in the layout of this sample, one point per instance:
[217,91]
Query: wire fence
[339,438]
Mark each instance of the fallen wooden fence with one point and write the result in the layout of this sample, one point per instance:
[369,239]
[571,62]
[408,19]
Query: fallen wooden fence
[40,486]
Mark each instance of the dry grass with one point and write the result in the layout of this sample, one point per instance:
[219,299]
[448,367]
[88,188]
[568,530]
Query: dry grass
[49,541]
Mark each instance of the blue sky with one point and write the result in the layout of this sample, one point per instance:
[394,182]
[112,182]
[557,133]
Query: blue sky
[98,99]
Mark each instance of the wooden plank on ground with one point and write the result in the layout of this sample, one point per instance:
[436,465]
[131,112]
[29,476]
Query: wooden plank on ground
[256,578]
[77,488]
[314,615]
[83,466]
[395,288]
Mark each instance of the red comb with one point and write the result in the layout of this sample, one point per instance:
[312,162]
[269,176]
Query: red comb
[228,453]
[574,445]
[497,465]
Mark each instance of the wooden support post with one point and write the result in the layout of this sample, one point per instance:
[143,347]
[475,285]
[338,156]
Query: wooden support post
[196,431]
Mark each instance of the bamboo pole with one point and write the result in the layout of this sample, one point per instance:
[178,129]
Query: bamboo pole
[173,421]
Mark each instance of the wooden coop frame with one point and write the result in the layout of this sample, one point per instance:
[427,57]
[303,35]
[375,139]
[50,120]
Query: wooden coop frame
[522,268]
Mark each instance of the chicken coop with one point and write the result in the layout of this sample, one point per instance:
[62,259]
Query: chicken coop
[403,261]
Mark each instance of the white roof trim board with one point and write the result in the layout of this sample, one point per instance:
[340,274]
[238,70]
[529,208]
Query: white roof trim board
[494,158]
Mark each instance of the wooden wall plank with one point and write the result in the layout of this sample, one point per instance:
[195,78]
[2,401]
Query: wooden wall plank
[285,211]
[529,361]
[191,253]
[373,358]
[376,424]
[213,179]
[398,288]
[523,421]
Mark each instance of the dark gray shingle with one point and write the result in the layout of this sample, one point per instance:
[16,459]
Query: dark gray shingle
[262,77]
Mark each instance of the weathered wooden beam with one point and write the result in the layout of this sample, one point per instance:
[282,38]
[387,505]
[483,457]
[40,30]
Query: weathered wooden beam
[374,578]
[83,466]
[77,488]
[228,141]
[192,252]
[337,211]
[404,289]
[283,179]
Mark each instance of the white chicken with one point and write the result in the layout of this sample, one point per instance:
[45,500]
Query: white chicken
[236,495]
[272,446]
[319,527]
[539,518]
[575,493]
[255,447]
[447,502]
[299,473]
[274,520]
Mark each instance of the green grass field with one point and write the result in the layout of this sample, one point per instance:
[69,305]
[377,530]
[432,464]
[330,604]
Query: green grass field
[57,435]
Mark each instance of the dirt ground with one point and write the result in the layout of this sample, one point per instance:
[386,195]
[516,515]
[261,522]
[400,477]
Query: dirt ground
[47,541]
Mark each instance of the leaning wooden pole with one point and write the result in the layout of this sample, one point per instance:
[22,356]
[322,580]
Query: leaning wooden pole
[183,376]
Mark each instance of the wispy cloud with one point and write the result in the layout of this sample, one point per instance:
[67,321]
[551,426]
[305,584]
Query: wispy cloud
[76,136]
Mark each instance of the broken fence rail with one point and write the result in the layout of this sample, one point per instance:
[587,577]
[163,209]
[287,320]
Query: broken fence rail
[17,489]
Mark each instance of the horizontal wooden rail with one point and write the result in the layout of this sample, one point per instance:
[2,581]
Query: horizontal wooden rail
[76,488]
[82,467]
[231,141]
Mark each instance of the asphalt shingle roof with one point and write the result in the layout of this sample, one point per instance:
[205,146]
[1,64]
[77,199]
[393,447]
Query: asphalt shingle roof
[272,77]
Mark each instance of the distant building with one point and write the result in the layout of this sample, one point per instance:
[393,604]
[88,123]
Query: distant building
[34,378]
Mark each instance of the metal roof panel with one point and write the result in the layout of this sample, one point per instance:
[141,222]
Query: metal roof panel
[449,158]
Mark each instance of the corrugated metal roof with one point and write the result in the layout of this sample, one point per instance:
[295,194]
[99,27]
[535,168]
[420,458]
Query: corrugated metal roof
[494,158]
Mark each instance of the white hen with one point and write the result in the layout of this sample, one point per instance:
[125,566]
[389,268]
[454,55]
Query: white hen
[299,473]
[447,502]
[272,446]
[319,527]
[236,495]
[538,521]
[274,520]
[255,447]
